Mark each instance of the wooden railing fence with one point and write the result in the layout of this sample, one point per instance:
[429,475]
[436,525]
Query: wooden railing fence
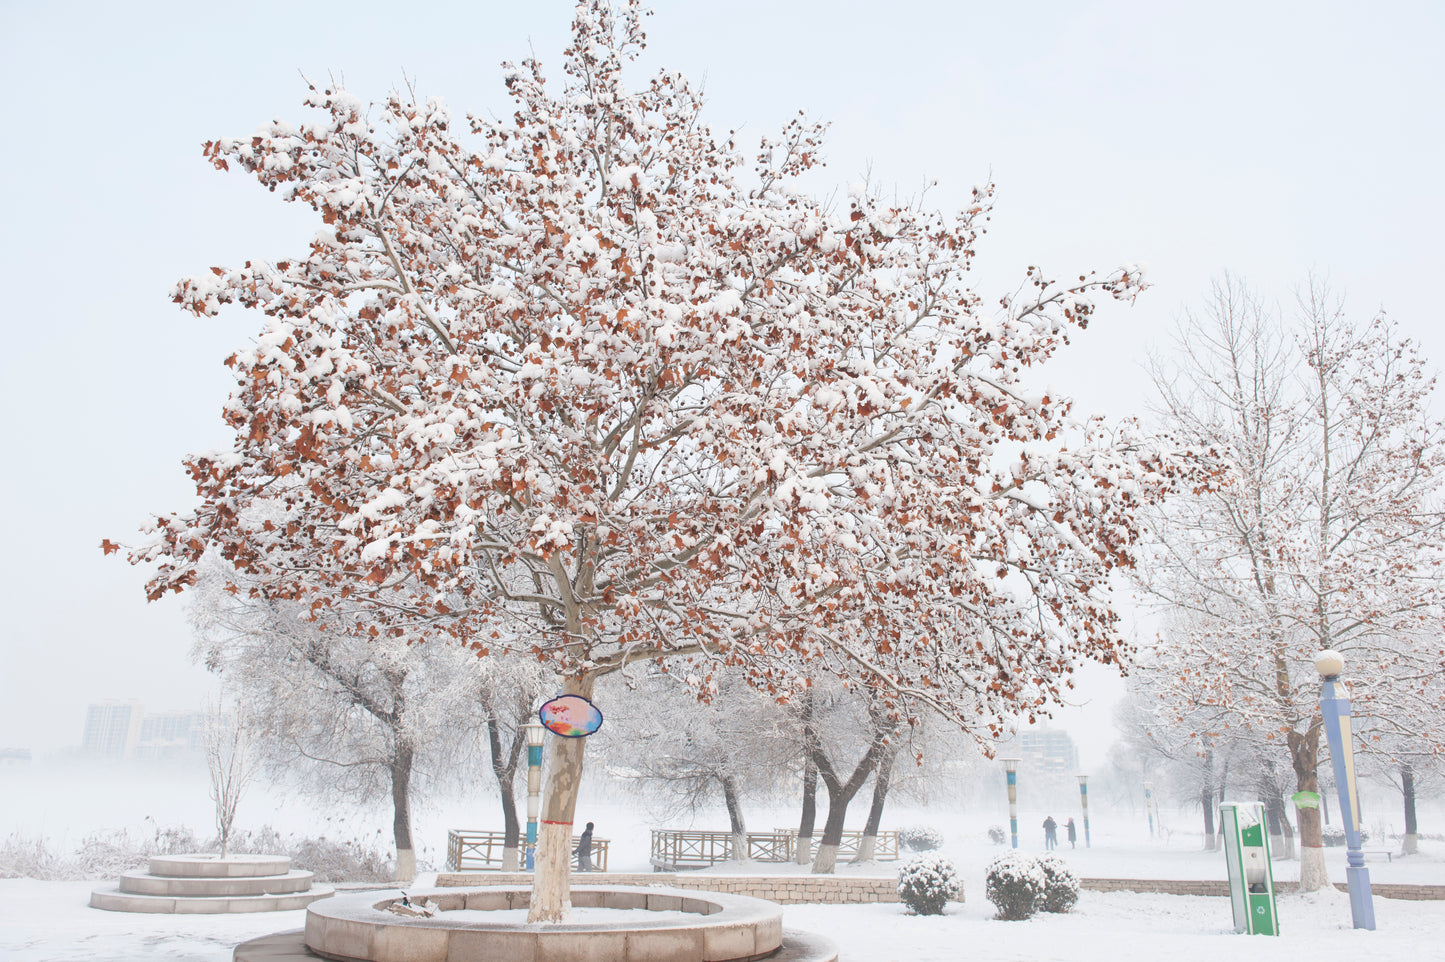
[672,850]
[469,850]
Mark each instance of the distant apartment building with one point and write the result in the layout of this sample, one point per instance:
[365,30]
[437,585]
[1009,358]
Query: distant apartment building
[14,757]
[122,730]
[172,734]
[1048,751]
[112,729]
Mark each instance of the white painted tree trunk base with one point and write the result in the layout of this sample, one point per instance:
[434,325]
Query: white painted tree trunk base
[1411,845]
[511,860]
[552,885]
[804,854]
[405,864]
[1312,873]
[866,848]
[826,860]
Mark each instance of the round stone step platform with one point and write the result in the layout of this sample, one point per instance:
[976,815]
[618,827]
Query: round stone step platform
[291,947]
[205,865]
[142,883]
[205,884]
[114,900]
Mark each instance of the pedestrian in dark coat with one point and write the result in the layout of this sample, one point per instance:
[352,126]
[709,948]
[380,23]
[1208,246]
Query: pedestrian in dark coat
[1051,833]
[583,851]
[1073,833]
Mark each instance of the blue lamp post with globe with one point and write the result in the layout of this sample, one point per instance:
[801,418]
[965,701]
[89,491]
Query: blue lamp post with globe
[1335,707]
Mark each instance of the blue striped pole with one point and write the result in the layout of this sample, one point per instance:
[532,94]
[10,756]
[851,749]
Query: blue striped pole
[1012,767]
[1084,801]
[534,787]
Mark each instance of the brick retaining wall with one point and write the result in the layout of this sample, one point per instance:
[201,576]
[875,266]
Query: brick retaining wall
[841,889]
[783,889]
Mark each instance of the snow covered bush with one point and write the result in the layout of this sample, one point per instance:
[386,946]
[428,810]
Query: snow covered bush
[927,884]
[920,838]
[996,834]
[1334,837]
[1061,885]
[1015,884]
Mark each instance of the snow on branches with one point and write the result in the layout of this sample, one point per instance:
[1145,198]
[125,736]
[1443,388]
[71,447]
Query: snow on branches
[587,382]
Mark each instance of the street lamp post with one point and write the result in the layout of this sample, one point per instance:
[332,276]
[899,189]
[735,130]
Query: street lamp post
[1011,765]
[1335,707]
[535,734]
[1149,806]
[1084,801]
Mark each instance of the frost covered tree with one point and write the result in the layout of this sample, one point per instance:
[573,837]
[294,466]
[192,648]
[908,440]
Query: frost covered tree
[507,691]
[732,747]
[1177,743]
[344,718]
[848,738]
[588,383]
[231,762]
[1326,534]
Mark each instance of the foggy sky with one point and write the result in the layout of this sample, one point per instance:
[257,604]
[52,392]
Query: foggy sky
[1266,139]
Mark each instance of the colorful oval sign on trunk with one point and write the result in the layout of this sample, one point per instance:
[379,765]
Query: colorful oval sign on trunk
[570,716]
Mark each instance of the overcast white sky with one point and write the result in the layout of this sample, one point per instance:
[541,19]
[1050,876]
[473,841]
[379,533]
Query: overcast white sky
[1264,138]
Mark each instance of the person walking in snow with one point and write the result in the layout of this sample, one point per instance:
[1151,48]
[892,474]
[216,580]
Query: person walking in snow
[583,851]
[1051,833]
[1073,833]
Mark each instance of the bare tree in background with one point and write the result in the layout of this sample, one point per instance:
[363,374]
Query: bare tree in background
[338,716]
[1326,533]
[231,762]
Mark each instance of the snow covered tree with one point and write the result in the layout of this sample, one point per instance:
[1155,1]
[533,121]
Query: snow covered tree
[341,717]
[848,737]
[733,746]
[586,383]
[1187,749]
[1327,534]
[499,695]
[231,762]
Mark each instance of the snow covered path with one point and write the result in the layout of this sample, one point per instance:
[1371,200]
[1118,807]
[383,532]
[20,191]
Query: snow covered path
[50,922]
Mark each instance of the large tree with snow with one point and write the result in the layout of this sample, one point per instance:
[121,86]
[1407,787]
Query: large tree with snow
[587,382]
[1326,536]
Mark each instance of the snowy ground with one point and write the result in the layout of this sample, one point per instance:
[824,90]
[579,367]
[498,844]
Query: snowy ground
[51,922]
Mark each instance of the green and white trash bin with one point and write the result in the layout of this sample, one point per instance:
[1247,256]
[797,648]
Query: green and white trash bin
[1251,880]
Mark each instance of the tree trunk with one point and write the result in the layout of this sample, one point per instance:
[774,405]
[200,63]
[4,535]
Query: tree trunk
[827,858]
[401,812]
[840,793]
[804,854]
[868,847]
[1281,833]
[1411,842]
[504,770]
[1304,755]
[738,846]
[552,883]
[1206,802]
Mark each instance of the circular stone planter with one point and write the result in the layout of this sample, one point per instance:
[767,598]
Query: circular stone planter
[719,928]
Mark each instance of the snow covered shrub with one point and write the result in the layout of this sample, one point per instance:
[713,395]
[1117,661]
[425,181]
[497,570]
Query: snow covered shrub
[1061,885]
[996,834]
[920,838]
[927,884]
[1335,837]
[24,856]
[1015,884]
